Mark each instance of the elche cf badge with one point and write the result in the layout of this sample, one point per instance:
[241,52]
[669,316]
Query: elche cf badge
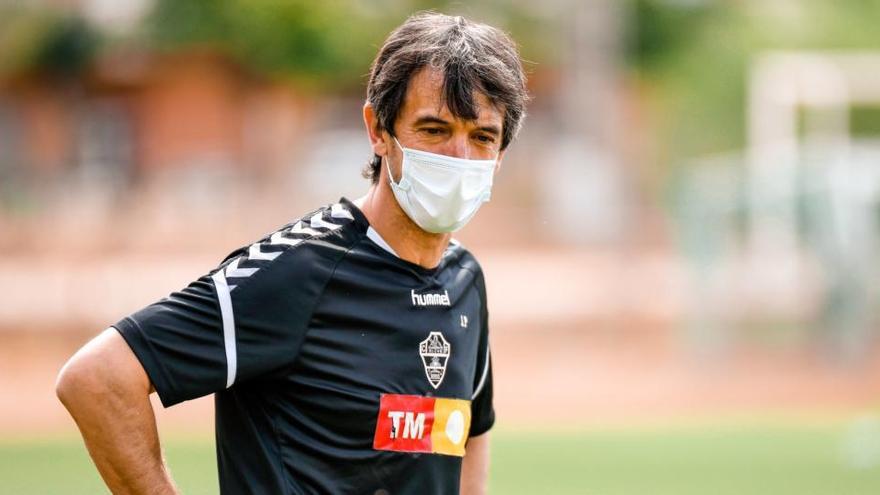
[435,351]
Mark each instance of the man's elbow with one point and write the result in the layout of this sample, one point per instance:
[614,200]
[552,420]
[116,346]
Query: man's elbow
[78,380]
[103,369]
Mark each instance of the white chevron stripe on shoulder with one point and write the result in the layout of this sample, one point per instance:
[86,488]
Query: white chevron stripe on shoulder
[339,211]
[278,238]
[232,270]
[317,222]
[299,229]
[316,225]
[254,253]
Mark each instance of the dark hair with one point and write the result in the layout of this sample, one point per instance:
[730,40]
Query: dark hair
[471,56]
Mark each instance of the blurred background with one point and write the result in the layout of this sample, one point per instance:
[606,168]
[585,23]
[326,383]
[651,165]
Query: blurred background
[681,249]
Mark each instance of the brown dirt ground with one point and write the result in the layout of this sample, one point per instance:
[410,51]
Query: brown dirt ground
[581,374]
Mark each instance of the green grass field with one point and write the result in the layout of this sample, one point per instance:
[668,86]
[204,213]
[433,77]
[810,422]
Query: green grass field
[780,459]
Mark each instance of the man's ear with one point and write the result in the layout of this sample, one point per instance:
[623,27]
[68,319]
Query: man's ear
[377,138]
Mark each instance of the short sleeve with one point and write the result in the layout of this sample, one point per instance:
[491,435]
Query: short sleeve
[245,319]
[482,407]
[179,342]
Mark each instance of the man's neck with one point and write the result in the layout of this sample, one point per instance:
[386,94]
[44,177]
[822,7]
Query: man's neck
[406,238]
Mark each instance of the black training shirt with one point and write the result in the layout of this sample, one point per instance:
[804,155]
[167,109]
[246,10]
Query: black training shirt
[337,367]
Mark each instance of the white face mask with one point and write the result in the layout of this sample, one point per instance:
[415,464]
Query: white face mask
[441,193]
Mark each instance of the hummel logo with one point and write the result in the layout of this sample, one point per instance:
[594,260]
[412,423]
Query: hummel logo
[429,299]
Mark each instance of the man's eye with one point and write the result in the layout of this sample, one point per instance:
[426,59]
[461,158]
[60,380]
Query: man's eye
[433,131]
[483,138]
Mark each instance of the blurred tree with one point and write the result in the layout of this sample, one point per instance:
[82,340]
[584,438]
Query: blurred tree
[327,46]
[660,30]
[69,47]
[321,44]
[34,39]
[324,45]
[694,55]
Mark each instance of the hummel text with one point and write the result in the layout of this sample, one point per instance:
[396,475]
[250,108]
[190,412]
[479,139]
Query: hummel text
[430,299]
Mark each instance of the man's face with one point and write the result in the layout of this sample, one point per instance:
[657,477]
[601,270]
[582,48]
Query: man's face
[425,124]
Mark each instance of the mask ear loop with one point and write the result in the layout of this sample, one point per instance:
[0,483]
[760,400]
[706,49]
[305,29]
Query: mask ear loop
[403,185]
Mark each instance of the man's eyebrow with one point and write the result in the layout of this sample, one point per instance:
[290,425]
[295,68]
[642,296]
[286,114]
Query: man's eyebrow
[430,119]
[433,119]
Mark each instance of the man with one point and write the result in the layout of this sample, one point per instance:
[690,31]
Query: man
[348,351]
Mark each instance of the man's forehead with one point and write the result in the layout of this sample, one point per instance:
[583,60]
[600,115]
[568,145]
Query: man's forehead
[425,98]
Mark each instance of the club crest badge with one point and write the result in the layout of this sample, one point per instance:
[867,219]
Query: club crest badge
[435,351]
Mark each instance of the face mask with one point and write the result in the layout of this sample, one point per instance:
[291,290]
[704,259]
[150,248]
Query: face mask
[441,193]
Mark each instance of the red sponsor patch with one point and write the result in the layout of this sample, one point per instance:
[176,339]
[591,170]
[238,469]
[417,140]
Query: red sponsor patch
[404,423]
[412,423]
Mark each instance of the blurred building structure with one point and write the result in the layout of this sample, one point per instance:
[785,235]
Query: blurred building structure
[135,114]
[583,178]
[787,230]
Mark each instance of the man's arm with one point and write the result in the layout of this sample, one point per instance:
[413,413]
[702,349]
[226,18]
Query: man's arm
[475,466]
[107,391]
